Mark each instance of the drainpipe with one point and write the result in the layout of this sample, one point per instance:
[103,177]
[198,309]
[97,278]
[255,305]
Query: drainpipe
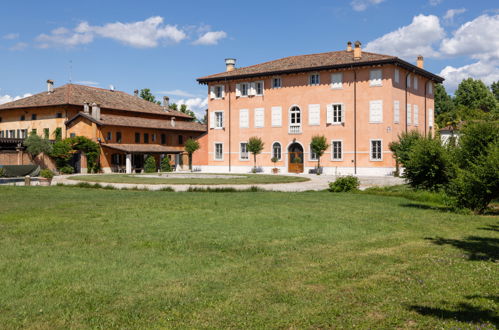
[406,77]
[355,121]
[425,89]
[228,96]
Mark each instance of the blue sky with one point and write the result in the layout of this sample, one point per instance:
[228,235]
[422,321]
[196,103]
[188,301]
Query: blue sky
[166,45]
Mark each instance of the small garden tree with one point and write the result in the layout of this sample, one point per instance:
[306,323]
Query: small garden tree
[191,146]
[402,147]
[255,146]
[36,145]
[150,164]
[319,146]
[165,164]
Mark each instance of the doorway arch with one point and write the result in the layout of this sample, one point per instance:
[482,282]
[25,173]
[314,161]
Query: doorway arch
[295,158]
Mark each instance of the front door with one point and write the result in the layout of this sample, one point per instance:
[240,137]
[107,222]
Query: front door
[295,158]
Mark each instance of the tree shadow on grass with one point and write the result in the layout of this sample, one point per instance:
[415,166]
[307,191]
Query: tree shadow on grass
[464,312]
[477,248]
[490,227]
[422,206]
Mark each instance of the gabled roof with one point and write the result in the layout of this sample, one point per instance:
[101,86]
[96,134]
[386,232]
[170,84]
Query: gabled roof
[72,94]
[313,62]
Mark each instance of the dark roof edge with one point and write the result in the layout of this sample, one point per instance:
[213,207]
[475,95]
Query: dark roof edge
[161,129]
[84,115]
[396,61]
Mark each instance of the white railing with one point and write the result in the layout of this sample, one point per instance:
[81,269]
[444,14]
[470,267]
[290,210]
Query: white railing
[294,129]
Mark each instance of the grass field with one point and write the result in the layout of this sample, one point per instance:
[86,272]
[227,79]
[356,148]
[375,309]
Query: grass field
[195,180]
[94,258]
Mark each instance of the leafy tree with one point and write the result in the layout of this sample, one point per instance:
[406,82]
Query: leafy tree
[319,146]
[495,89]
[255,146]
[165,165]
[475,140]
[443,101]
[191,146]
[147,95]
[402,147]
[427,166]
[174,106]
[150,164]
[184,109]
[36,145]
[474,94]
[61,153]
[58,134]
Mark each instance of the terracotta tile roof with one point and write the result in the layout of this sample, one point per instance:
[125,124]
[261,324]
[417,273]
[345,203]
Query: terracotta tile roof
[312,62]
[72,94]
[142,148]
[132,121]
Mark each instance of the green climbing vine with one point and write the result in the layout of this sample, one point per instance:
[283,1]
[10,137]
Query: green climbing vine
[63,151]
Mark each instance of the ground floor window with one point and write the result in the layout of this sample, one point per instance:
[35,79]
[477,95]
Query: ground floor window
[313,155]
[376,152]
[276,150]
[118,159]
[244,151]
[219,151]
[337,150]
[163,138]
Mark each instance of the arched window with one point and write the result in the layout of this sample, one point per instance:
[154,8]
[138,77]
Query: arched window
[276,150]
[295,120]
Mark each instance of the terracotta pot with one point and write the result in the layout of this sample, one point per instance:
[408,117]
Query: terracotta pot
[45,182]
[275,170]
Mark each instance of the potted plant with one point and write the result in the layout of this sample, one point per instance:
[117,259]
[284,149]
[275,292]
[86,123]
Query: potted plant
[46,176]
[274,160]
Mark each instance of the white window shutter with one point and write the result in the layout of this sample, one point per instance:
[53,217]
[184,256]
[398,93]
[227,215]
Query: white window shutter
[415,82]
[409,115]
[314,114]
[337,80]
[238,89]
[263,87]
[252,89]
[430,87]
[416,115]
[212,92]
[212,120]
[259,117]
[396,112]
[409,81]
[343,110]
[276,116]
[244,118]
[430,117]
[223,91]
[376,111]
[397,76]
[329,114]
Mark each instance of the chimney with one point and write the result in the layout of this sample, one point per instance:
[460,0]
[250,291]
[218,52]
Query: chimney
[173,121]
[230,64]
[50,86]
[86,107]
[349,46]
[95,111]
[357,52]
[136,92]
[166,101]
[420,61]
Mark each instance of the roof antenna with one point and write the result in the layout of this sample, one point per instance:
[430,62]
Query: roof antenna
[70,71]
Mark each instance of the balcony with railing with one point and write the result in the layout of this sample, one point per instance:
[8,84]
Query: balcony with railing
[294,129]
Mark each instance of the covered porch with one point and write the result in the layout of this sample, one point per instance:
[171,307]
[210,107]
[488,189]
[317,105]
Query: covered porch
[130,158]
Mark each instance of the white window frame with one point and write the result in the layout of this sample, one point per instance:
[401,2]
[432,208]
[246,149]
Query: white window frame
[332,151]
[408,80]
[213,92]
[256,88]
[415,114]
[276,108]
[371,150]
[337,84]
[216,124]
[396,76]
[241,124]
[376,82]
[300,124]
[215,151]
[272,151]
[316,82]
[239,89]
[396,112]
[430,87]
[262,124]
[312,159]
[416,82]
[241,151]
[409,115]
[335,115]
[370,116]
[430,118]
[276,79]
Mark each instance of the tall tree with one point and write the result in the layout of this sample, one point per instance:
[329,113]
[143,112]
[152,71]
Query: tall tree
[146,94]
[443,101]
[187,111]
[474,94]
[255,146]
[495,89]
[191,146]
[319,146]
[36,145]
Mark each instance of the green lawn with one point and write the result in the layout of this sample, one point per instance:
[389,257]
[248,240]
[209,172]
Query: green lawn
[195,180]
[94,258]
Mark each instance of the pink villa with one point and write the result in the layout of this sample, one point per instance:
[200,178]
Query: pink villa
[360,101]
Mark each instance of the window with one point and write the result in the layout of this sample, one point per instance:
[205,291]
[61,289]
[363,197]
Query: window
[430,118]
[24,133]
[153,137]
[415,83]
[146,137]
[33,116]
[259,117]
[376,152]
[219,151]
[22,118]
[109,136]
[33,131]
[295,120]
[430,87]
[1,134]
[137,137]
[313,155]
[219,119]
[276,82]
[396,77]
[276,150]
[163,138]
[409,116]
[276,116]
[46,133]
[259,88]
[244,118]
[337,81]
[408,81]
[72,135]
[375,78]
[376,111]
[337,150]
[0,119]
[314,79]
[242,89]
[180,139]
[396,112]
[217,92]
[314,114]
[335,114]
[244,155]
[58,115]
[416,115]
[118,137]
[12,133]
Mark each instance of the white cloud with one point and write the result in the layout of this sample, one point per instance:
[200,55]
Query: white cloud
[19,46]
[62,37]
[488,72]
[177,92]
[87,82]
[451,13]
[210,38]
[435,2]
[478,39]
[411,40]
[11,36]
[361,5]
[8,98]
[196,104]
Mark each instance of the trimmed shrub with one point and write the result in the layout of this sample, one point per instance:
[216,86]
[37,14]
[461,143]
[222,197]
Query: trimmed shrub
[46,173]
[345,184]
[2,172]
[66,170]
[165,165]
[150,165]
